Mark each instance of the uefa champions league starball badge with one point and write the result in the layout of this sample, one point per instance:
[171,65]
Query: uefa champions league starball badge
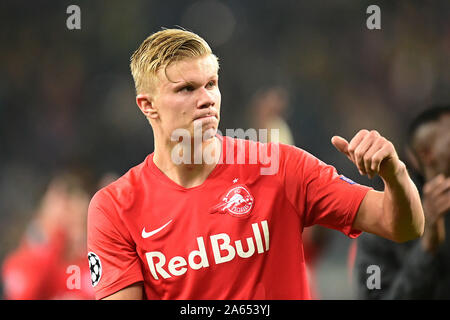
[95,267]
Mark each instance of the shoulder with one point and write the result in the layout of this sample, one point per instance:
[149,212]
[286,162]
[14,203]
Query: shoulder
[121,193]
[295,160]
[278,158]
[252,148]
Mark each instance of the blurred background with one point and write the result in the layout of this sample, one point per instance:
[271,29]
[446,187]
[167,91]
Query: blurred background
[67,96]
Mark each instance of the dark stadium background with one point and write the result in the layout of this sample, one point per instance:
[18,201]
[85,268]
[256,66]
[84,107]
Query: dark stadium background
[67,96]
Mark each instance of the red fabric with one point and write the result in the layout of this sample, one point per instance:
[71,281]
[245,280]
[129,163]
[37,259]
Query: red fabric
[254,252]
[312,251]
[351,259]
[38,271]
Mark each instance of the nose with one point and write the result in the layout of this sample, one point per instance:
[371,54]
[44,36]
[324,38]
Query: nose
[206,99]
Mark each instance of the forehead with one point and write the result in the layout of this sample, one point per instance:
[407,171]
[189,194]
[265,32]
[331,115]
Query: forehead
[188,70]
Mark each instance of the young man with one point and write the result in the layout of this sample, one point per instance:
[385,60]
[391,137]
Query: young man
[225,228]
[417,269]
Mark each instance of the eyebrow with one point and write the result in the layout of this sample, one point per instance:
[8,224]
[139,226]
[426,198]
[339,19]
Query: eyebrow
[182,83]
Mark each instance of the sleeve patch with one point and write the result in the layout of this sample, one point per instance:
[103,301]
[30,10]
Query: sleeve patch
[95,267]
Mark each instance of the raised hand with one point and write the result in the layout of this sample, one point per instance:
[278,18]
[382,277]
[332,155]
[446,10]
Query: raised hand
[371,153]
[436,198]
[436,204]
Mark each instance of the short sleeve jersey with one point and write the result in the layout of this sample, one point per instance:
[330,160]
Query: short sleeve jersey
[238,235]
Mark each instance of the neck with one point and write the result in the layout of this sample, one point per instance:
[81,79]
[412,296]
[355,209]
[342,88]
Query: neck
[187,163]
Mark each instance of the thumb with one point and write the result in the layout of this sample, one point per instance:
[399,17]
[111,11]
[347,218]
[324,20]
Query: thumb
[340,144]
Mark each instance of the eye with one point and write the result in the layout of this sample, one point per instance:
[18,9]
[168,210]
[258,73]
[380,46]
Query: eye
[211,84]
[187,88]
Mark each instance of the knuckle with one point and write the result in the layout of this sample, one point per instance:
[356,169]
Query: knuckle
[361,133]
[376,159]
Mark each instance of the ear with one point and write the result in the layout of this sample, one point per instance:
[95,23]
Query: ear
[146,105]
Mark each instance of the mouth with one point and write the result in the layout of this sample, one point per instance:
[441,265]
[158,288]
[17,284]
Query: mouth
[209,115]
[206,117]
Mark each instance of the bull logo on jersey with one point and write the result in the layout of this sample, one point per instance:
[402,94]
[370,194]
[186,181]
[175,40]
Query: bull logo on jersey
[237,202]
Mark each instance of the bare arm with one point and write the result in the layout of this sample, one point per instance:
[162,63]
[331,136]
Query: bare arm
[396,213]
[132,292]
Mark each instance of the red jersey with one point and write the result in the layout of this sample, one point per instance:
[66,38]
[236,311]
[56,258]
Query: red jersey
[236,236]
[39,271]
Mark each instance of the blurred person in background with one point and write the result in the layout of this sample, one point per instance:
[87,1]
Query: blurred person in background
[147,230]
[418,269]
[50,261]
[268,109]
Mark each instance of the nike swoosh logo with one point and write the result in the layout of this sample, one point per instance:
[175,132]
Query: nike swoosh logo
[145,235]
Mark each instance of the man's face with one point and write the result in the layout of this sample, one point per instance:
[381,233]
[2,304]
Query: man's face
[187,93]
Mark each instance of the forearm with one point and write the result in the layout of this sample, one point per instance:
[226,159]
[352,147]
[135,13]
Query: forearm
[402,208]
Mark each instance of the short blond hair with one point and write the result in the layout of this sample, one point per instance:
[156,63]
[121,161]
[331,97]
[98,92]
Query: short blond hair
[161,49]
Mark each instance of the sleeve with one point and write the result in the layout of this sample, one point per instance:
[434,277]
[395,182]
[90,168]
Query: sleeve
[406,270]
[318,192]
[113,260]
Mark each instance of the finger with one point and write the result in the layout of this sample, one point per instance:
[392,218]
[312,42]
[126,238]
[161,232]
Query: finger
[442,188]
[378,158]
[355,142]
[442,205]
[371,163]
[362,157]
[360,152]
[433,183]
[341,145]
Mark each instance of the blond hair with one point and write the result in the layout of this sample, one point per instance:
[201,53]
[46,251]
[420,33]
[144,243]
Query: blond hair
[161,49]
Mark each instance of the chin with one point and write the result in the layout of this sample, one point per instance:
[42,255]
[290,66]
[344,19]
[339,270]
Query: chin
[209,133]
[206,121]
[205,124]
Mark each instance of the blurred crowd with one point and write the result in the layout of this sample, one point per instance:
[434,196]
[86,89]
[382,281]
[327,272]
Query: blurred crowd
[67,96]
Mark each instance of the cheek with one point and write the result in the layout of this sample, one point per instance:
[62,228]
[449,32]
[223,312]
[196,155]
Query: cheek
[172,109]
[218,98]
